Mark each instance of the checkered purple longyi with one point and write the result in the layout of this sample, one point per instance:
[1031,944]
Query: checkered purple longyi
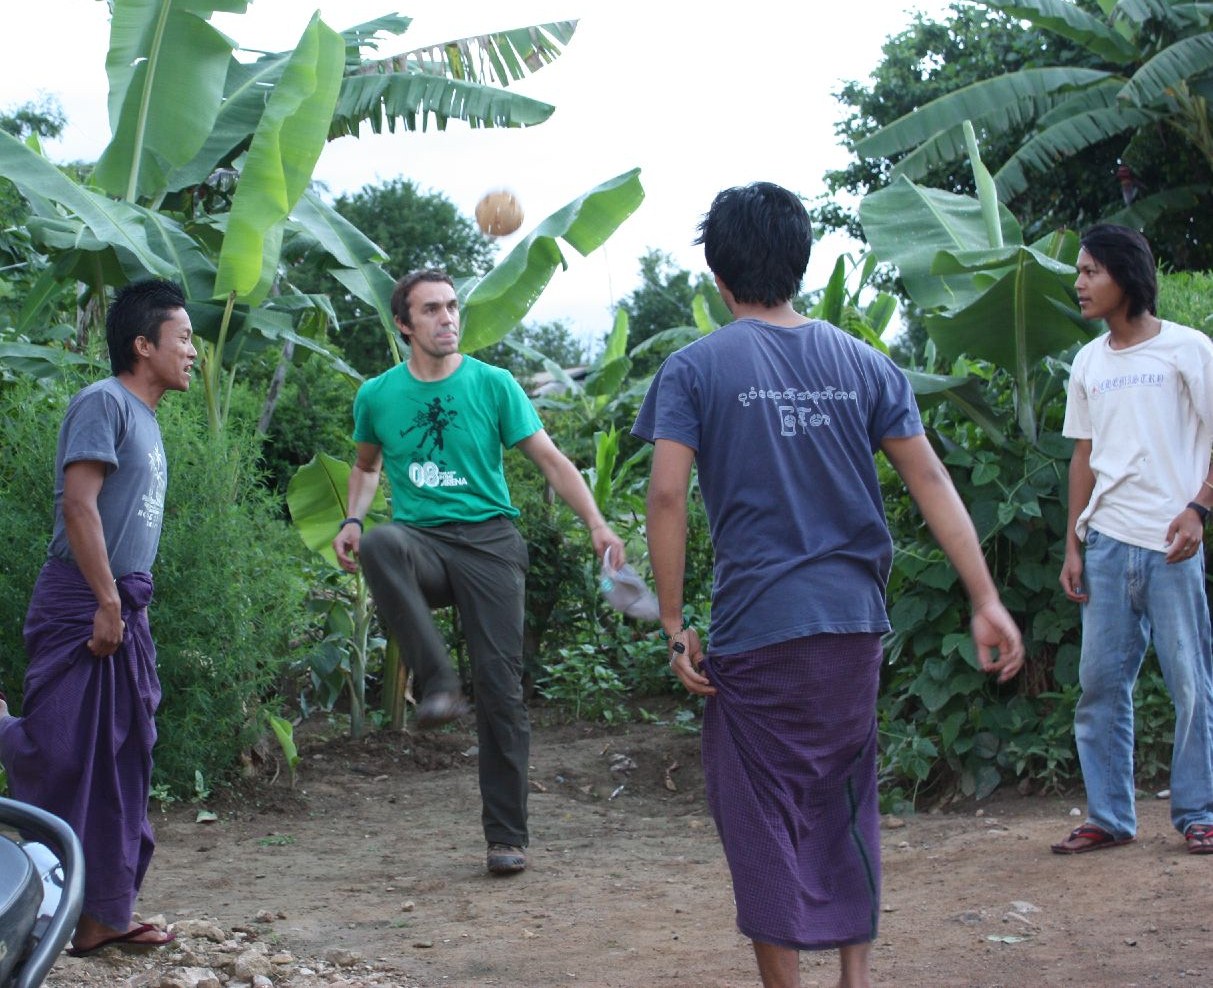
[789,757]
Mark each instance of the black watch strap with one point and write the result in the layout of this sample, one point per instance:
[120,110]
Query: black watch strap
[1201,510]
[358,522]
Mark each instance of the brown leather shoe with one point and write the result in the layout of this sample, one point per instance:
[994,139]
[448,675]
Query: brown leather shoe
[505,859]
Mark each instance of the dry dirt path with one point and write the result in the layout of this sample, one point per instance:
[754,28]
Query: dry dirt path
[370,873]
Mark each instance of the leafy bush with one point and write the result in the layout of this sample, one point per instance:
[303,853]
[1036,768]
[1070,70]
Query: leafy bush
[229,596]
[31,415]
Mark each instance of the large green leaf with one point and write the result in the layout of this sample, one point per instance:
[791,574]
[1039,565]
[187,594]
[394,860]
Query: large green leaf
[1015,323]
[966,393]
[1175,16]
[316,497]
[1070,21]
[195,266]
[907,225]
[166,68]
[118,224]
[494,59]
[496,303]
[1063,140]
[285,148]
[454,80]
[40,361]
[348,245]
[412,99]
[1002,103]
[1165,73]
[244,101]
[373,285]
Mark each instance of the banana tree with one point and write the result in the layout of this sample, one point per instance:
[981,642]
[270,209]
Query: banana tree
[191,121]
[986,293]
[1161,76]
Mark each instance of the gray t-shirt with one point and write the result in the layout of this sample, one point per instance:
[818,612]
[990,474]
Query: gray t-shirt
[105,422]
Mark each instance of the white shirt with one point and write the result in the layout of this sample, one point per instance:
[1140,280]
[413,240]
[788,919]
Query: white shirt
[1148,411]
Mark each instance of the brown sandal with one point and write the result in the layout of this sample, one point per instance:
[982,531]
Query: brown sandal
[1089,837]
[1200,838]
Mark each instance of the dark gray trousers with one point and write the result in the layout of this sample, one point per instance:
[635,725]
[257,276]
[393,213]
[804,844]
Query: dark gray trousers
[480,568]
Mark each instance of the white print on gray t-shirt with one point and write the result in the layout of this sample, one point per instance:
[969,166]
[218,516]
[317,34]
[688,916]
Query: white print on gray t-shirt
[153,501]
[798,419]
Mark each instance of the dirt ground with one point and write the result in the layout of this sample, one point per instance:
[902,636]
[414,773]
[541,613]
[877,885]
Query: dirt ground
[370,873]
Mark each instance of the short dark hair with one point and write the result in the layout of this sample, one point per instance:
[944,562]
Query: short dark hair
[138,309]
[757,240]
[1125,254]
[404,288]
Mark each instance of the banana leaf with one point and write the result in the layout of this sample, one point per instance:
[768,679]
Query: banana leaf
[496,303]
[285,148]
[907,225]
[117,224]
[166,68]
[316,497]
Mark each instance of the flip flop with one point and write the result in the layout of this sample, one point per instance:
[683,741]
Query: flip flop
[1200,838]
[1089,837]
[126,941]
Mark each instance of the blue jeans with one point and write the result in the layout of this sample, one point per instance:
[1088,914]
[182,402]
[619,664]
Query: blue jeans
[1135,594]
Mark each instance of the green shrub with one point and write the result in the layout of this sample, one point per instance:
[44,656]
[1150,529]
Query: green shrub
[31,414]
[229,596]
[1186,297]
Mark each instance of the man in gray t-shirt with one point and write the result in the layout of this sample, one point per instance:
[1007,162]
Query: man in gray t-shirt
[82,748]
[107,424]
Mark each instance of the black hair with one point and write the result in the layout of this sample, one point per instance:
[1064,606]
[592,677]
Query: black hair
[138,309]
[757,239]
[404,288]
[1125,254]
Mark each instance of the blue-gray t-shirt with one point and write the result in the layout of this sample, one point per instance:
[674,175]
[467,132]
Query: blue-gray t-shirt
[107,423]
[784,423]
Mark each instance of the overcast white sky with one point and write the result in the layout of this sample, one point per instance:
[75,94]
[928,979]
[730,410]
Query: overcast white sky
[700,96]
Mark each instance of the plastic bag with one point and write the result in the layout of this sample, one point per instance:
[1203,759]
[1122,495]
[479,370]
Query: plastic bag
[625,591]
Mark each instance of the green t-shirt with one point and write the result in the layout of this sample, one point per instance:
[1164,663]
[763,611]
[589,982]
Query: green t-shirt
[442,440]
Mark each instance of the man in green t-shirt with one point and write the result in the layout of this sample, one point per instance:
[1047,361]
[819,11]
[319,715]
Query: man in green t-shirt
[438,424]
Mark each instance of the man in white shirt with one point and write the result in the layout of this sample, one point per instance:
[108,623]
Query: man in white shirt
[1140,412]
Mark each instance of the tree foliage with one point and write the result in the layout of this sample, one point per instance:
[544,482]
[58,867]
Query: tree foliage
[930,59]
[1120,89]
[662,301]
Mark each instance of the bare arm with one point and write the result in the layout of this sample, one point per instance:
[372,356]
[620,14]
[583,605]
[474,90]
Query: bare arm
[666,523]
[929,484]
[1186,533]
[364,481]
[82,482]
[568,483]
[1081,486]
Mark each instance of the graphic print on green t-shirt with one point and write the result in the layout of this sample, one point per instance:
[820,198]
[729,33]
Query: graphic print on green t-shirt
[442,440]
